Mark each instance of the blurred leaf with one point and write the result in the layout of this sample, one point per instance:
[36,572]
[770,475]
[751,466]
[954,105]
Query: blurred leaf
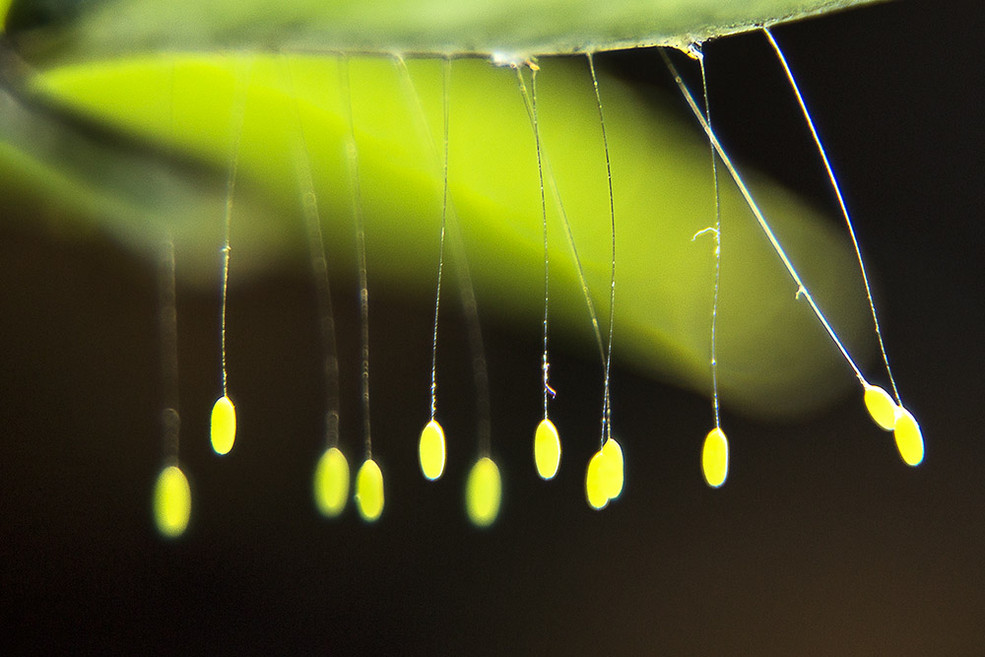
[774,358]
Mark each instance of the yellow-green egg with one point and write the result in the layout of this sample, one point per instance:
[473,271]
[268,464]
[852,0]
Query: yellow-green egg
[223,425]
[431,450]
[331,482]
[909,438]
[483,493]
[594,484]
[611,468]
[547,449]
[881,407]
[714,458]
[172,502]
[369,490]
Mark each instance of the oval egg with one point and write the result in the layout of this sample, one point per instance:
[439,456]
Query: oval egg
[431,450]
[369,491]
[881,407]
[612,469]
[547,449]
[483,493]
[223,425]
[714,458]
[331,485]
[172,502]
[909,438]
[594,486]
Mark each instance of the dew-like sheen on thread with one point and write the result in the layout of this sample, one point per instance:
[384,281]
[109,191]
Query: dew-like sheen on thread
[331,482]
[547,449]
[483,493]
[369,490]
[714,458]
[881,407]
[223,425]
[909,438]
[172,502]
[431,450]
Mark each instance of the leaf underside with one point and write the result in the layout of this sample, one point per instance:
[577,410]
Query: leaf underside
[512,28]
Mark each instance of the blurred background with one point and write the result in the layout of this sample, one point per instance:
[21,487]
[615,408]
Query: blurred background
[821,542]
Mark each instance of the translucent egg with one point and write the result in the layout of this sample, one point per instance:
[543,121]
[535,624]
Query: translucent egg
[483,493]
[547,449]
[223,425]
[714,458]
[369,490]
[431,450]
[172,502]
[331,482]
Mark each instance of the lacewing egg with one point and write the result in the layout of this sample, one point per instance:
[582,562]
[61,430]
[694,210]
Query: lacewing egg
[881,407]
[714,457]
[369,491]
[483,493]
[331,482]
[612,468]
[223,425]
[431,450]
[172,502]
[909,438]
[594,488]
[547,449]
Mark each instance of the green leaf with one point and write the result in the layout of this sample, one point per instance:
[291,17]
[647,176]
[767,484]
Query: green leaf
[179,109]
[435,27]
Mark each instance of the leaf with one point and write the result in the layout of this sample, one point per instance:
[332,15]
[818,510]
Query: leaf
[773,357]
[433,27]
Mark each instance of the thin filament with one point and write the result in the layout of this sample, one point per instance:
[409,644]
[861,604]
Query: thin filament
[352,159]
[718,251]
[556,195]
[446,84]
[548,173]
[563,214]
[479,368]
[168,323]
[841,203]
[606,407]
[802,290]
[319,267]
[239,111]
[480,371]
[470,308]
[530,100]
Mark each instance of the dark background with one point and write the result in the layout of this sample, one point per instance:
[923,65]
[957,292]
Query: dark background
[821,543]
